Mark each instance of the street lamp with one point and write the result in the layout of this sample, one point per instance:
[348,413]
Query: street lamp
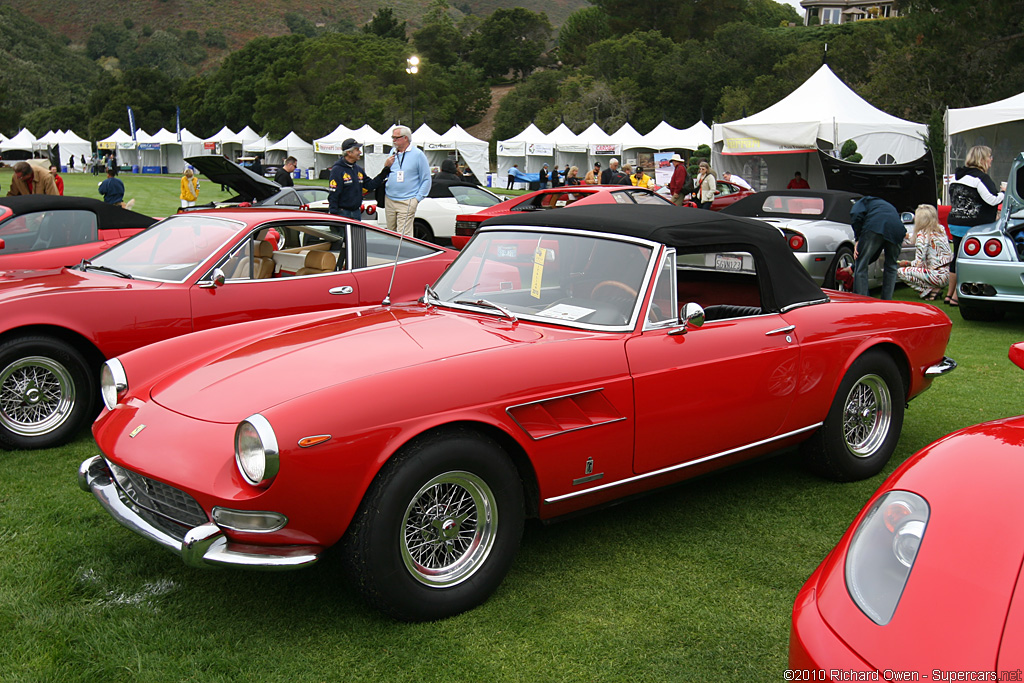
[412,67]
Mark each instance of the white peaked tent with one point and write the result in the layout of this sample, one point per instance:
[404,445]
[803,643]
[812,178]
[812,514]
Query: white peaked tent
[822,113]
[666,137]
[600,147]
[257,146]
[328,149]
[290,145]
[472,150]
[999,125]
[71,145]
[21,144]
[628,138]
[215,143]
[531,149]
[122,145]
[49,139]
[568,148]
[235,147]
[173,151]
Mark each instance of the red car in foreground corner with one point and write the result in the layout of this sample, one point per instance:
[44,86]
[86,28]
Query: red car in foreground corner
[927,583]
[48,231]
[555,198]
[548,370]
[188,272]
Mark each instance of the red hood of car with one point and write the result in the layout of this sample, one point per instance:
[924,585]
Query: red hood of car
[21,283]
[273,363]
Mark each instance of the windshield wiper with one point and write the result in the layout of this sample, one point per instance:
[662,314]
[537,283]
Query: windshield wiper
[489,304]
[86,264]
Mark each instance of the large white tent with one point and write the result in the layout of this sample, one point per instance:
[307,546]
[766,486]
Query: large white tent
[472,150]
[172,151]
[667,137]
[290,145]
[215,143]
[72,145]
[568,148]
[822,113]
[530,150]
[999,125]
[20,146]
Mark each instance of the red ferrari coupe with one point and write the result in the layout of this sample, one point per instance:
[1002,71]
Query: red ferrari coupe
[548,370]
[927,583]
[555,198]
[189,272]
[46,231]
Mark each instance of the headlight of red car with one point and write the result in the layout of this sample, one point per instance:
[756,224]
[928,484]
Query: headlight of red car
[113,383]
[256,452]
[883,551]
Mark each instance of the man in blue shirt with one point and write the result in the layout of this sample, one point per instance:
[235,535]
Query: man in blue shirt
[878,229]
[408,182]
[112,189]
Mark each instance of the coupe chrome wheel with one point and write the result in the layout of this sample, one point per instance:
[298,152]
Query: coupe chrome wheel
[867,416]
[37,395]
[449,529]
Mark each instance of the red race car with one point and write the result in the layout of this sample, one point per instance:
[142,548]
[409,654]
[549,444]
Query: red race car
[46,231]
[928,577]
[555,198]
[548,370]
[188,272]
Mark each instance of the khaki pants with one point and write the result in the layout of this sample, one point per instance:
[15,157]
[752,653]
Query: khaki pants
[401,215]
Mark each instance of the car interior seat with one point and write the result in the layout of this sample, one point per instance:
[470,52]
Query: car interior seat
[318,262]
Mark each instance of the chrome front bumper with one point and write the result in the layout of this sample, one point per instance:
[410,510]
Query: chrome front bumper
[204,545]
[946,365]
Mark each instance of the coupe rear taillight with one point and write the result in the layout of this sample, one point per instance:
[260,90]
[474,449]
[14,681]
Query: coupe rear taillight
[972,246]
[993,247]
[796,242]
[466,228]
[369,209]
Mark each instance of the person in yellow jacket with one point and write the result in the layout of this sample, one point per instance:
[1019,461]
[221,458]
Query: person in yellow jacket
[189,188]
[639,178]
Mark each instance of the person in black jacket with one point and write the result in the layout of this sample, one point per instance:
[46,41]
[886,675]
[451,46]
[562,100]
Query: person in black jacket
[973,199]
[348,181]
[449,171]
[543,176]
[878,229]
[283,176]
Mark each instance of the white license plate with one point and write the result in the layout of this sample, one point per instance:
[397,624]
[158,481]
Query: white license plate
[727,262]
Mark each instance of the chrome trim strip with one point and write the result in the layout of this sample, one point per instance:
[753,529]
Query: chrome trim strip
[680,466]
[203,545]
[584,480]
[946,365]
[801,304]
[557,398]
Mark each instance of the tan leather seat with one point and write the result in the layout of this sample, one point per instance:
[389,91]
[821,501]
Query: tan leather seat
[318,262]
[263,261]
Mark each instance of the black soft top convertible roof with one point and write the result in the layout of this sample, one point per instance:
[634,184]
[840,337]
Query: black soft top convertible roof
[784,282]
[837,205]
[108,216]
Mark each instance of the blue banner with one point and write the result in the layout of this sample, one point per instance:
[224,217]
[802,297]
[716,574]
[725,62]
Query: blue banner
[131,121]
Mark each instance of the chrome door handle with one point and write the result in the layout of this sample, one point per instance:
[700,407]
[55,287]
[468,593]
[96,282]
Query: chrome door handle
[341,290]
[782,330]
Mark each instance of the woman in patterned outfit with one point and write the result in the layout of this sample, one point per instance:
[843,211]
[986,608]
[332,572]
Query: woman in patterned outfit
[929,272]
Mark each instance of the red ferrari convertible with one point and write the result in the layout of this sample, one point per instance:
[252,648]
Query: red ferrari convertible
[45,231]
[927,583]
[551,368]
[189,272]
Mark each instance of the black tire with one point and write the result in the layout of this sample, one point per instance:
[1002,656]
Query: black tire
[863,424]
[47,392]
[458,495]
[843,259]
[421,230]
[975,312]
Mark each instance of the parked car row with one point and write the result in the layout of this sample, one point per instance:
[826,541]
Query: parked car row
[560,349]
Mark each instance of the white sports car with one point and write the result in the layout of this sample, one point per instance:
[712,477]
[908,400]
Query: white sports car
[435,216]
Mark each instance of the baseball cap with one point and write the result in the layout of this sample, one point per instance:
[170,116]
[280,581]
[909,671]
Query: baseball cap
[350,144]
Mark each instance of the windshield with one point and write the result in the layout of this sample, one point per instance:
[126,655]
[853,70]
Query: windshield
[170,250]
[581,280]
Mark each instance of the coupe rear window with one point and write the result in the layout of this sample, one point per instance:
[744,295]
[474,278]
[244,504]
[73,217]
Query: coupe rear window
[804,206]
[552,200]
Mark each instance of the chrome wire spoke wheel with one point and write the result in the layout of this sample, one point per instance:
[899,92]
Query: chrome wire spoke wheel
[867,416]
[449,529]
[37,395]
[845,261]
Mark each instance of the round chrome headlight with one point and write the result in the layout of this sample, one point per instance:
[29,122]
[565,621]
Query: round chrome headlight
[256,452]
[113,383]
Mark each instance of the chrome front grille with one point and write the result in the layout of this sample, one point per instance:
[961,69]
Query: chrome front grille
[166,507]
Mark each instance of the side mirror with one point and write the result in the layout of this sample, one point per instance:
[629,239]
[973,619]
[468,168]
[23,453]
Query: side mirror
[216,280]
[2,245]
[907,217]
[690,315]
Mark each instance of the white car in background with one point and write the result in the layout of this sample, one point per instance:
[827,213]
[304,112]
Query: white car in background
[435,216]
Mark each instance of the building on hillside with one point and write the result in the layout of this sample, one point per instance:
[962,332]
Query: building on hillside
[845,11]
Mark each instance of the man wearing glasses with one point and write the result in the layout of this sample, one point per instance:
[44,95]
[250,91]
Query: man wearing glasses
[29,179]
[408,182]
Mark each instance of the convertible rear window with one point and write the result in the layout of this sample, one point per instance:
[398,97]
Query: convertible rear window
[805,206]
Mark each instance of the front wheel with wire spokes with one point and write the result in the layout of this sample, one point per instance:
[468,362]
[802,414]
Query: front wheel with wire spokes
[863,424]
[438,529]
[46,392]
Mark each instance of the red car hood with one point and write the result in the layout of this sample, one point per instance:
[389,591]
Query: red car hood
[20,283]
[273,364]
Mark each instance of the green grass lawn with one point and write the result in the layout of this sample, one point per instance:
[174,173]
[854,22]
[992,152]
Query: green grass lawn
[694,583]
